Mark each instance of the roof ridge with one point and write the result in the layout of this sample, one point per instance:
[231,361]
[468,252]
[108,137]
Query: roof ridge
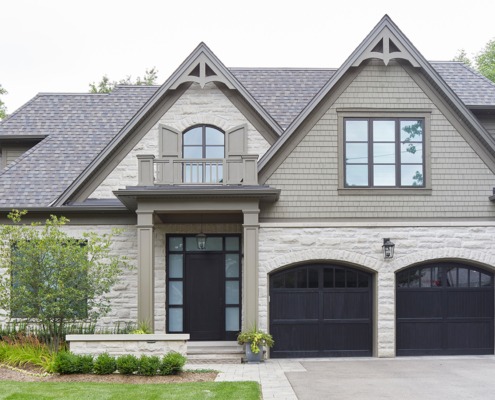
[19,109]
[283,68]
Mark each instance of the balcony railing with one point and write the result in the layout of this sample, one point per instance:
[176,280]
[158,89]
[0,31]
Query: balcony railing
[240,170]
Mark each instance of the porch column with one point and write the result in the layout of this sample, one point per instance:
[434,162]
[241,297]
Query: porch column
[250,277]
[145,267]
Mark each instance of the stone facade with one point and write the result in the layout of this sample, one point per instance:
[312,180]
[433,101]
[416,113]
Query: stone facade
[196,106]
[116,345]
[284,245]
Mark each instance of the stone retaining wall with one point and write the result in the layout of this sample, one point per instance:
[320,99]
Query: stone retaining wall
[115,345]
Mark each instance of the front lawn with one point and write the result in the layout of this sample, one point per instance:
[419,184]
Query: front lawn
[107,391]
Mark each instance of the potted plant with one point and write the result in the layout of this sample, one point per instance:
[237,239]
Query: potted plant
[254,340]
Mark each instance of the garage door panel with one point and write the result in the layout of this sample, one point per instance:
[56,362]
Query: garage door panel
[323,317]
[295,305]
[419,304]
[342,337]
[445,308]
[415,335]
[346,304]
[470,335]
[469,304]
[295,337]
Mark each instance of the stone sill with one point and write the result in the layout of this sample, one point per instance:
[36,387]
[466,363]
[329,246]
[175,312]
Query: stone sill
[128,337]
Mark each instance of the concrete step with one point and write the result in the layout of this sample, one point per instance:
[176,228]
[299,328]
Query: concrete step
[214,353]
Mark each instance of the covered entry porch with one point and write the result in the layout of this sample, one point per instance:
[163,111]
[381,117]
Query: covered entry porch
[202,294]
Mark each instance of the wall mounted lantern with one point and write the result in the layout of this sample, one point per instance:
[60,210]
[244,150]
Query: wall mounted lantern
[201,237]
[388,249]
[201,241]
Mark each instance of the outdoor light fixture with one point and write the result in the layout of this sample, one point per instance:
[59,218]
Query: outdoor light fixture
[201,241]
[388,248]
[201,238]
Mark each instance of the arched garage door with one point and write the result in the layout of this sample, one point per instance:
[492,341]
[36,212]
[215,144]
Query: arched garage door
[444,309]
[321,310]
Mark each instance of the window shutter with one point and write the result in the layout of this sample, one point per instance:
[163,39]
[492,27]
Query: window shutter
[169,142]
[236,143]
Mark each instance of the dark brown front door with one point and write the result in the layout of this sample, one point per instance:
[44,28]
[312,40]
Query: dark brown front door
[204,296]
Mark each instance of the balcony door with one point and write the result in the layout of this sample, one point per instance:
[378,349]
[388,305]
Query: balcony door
[203,149]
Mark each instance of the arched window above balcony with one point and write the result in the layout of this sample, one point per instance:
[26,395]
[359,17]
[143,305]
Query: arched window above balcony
[203,141]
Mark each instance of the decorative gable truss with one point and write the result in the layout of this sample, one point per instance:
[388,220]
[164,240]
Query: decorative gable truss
[203,71]
[386,47]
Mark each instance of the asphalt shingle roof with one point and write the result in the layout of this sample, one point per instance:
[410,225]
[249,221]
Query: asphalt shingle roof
[471,87]
[79,126]
[282,92]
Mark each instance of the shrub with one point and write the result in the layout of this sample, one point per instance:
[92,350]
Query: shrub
[66,363]
[172,363]
[21,349]
[127,364]
[148,365]
[104,365]
[85,364]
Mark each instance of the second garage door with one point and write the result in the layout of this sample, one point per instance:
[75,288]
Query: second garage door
[321,310]
[444,309]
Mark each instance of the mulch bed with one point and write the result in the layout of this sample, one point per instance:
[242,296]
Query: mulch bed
[30,374]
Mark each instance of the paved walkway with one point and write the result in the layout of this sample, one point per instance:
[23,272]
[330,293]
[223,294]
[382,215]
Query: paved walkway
[405,378]
[270,374]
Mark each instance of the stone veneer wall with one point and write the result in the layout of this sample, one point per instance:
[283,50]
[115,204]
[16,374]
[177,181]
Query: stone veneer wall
[123,295]
[116,345]
[284,245]
[196,106]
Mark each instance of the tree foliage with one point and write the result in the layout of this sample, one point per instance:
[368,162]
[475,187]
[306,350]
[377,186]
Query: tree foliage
[52,279]
[3,108]
[105,85]
[463,57]
[484,61]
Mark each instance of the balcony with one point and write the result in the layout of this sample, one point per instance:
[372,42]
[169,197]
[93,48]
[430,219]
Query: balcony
[238,170]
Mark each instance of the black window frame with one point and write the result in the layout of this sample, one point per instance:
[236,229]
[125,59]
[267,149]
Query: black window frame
[397,146]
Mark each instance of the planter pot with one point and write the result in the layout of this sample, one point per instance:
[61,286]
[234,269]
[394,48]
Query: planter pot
[253,358]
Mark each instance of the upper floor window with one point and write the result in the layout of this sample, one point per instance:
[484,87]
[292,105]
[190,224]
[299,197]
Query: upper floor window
[203,141]
[384,152]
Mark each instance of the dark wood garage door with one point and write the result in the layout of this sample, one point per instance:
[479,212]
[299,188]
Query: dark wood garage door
[321,310]
[444,309]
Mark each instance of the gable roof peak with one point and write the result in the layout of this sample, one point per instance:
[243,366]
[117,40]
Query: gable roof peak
[386,42]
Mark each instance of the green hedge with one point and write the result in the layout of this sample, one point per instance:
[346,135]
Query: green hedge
[69,363]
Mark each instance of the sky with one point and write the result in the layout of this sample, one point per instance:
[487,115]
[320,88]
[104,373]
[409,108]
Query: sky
[62,45]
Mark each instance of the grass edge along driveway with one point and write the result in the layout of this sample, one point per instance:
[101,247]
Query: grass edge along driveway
[110,391]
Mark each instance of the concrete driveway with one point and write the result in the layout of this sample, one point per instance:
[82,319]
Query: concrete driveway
[470,377]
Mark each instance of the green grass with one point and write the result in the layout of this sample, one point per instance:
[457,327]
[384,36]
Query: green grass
[110,391]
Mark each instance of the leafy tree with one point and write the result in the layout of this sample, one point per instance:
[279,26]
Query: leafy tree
[106,85]
[485,61]
[3,109]
[52,279]
[463,57]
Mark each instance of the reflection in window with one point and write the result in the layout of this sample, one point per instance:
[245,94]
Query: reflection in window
[203,142]
[384,152]
[447,275]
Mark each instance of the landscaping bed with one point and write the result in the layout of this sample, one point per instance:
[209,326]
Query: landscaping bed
[33,374]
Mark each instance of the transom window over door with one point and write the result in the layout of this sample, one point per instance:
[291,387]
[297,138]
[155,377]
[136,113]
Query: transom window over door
[206,143]
[384,152]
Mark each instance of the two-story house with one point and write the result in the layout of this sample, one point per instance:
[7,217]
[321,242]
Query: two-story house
[263,197]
